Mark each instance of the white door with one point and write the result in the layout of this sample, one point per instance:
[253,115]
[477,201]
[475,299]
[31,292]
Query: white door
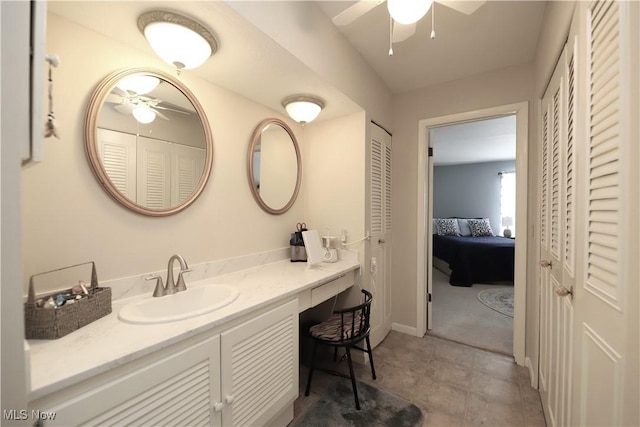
[118,156]
[557,239]
[187,166]
[606,377]
[154,173]
[380,232]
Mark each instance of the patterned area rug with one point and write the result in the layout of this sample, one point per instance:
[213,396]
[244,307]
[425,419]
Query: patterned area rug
[498,299]
[378,408]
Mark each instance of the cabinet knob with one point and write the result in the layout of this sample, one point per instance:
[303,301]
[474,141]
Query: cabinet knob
[229,399]
[218,406]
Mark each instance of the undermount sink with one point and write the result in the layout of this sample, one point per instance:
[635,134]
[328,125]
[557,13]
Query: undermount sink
[179,306]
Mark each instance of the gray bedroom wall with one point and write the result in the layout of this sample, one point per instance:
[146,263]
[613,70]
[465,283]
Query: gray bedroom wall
[469,191]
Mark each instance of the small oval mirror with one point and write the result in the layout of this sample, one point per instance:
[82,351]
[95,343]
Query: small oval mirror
[148,141]
[274,166]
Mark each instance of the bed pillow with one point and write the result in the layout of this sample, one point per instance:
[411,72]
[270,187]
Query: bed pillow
[480,227]
[463,226]
[448,227]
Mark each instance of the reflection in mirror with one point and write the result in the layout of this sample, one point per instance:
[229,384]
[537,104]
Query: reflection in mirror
[274,166]
[148,141]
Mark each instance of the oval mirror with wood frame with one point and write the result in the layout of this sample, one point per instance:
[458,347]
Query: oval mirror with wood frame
[148,141]
[274,166]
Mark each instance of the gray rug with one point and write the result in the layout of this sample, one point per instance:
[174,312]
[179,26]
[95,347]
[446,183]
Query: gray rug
[377,408]
[498,299]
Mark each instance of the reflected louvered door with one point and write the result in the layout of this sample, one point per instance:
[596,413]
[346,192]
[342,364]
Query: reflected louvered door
[154,173]
[380,230]
[118,156]
[260,367]
[606,344]
[187,165]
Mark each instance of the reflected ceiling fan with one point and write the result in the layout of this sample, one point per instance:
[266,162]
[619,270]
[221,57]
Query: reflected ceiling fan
[143,108]
[404,14]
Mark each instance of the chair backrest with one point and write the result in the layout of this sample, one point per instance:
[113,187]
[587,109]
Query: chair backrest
[354,323]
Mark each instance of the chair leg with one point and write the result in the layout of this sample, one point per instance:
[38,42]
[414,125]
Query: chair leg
[373,369]
[313,363]
[353,378]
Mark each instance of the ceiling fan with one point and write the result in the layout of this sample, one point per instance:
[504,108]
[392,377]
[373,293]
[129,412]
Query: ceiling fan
[143,108]
[404,13]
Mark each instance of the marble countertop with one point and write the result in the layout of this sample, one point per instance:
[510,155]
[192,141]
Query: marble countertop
[109,342]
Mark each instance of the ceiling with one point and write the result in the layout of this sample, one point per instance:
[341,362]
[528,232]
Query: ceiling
[497,35]
[475,142]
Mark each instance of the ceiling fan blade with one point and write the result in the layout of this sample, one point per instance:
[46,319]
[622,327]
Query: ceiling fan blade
[355,11]
[124,108]
[401,32]
[175,110]
[464,6]
[159,114]
[114,99]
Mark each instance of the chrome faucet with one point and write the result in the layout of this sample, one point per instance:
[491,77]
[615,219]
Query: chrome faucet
[180,286]
[171,287]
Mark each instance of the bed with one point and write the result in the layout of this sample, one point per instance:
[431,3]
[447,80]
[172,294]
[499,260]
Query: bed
[475,258]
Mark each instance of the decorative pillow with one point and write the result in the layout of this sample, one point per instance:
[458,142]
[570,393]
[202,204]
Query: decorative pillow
[463,225]
[448,227]
[480,227]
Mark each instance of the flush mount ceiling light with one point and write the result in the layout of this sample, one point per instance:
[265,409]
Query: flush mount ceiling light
[176,39]
[408,11]
[303,108]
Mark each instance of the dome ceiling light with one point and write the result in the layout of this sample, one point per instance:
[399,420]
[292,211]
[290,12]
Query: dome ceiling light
[303,108]
[408,11]
[177,40]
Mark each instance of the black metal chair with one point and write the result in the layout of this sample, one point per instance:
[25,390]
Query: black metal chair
[345,328]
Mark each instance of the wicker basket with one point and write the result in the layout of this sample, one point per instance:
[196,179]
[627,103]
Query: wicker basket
[47,323]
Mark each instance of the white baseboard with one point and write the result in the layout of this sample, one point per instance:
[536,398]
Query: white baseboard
[533,374]
[409,330]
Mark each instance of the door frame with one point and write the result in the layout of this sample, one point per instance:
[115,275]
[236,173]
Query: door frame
[521,111]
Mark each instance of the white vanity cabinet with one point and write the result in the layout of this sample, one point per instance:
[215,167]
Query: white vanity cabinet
[244,375]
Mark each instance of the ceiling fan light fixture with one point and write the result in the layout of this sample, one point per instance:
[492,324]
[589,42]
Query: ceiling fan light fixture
[139,84]
[143,114]
[177,40]
[303,108]
[408,11]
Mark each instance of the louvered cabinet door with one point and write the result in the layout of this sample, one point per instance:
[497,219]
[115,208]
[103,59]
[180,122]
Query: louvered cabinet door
[260,367]
[179,389]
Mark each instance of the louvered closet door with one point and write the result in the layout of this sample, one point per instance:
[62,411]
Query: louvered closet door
[557,239]
[606,371]
[118,156]
[154,173]
[380,168]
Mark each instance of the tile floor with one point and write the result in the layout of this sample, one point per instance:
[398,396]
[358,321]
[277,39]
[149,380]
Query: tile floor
[453,384]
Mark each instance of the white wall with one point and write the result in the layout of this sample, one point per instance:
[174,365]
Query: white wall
[501,87]
[68,218]
[335,183]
